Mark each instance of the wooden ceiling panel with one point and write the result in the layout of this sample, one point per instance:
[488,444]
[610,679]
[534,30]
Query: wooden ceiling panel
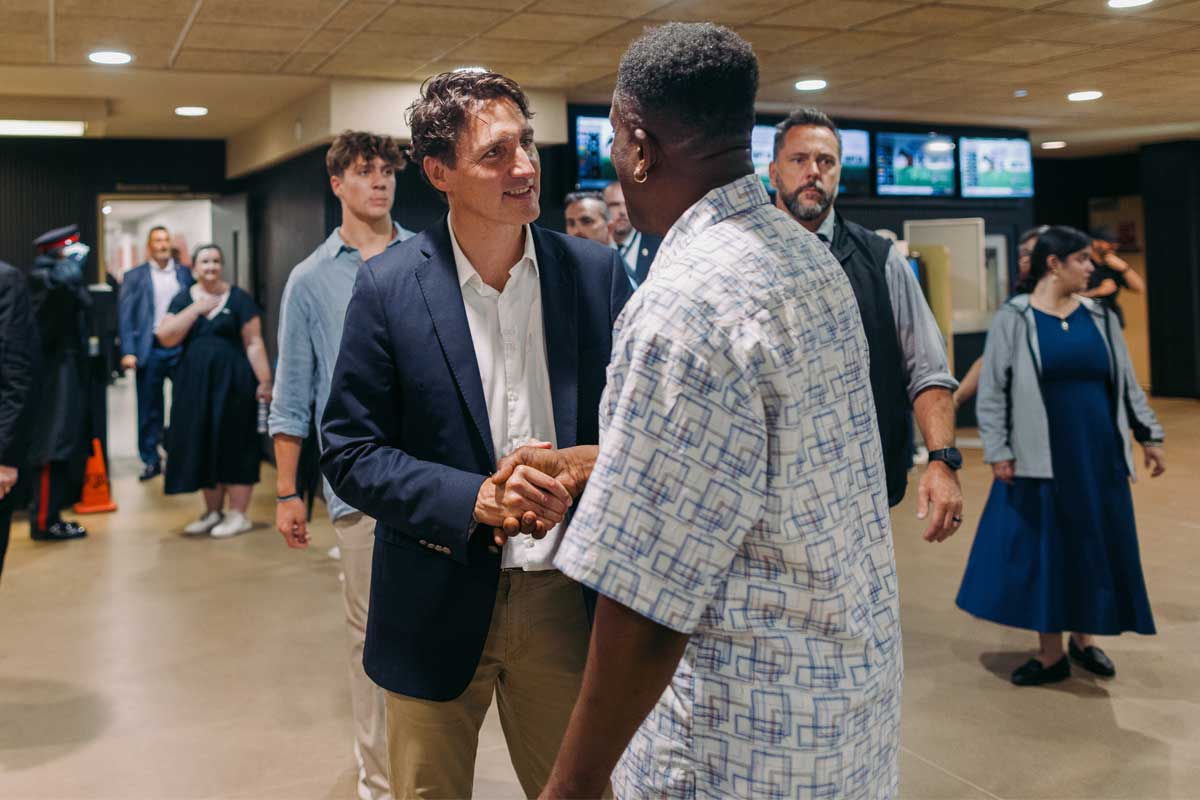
[926,20]
[355,14]
[1025,53]
[25,48]
[302,63]
[593,55]
[149,41]
[873,67]
[723,12]
[418,20]
[251,38]
[507,51]
[1166,63]
[622,35]
[1186,12]
[555,27]
[267,13]
[123,9]
[950,47]
[772,39]
[843,14]
[852,44]
[365,64]
[1057,28]
[630,9]
[384,46]
[194,60]
[1186,40]
[324,41]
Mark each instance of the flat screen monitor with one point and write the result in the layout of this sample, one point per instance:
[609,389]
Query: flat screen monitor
[914,164]
[856,159]
[995,167]
[593,150]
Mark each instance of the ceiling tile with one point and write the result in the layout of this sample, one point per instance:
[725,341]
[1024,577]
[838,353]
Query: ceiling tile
[436,21]
[323,41]
[302,63]
[31,22]
[254,38]
[949,46]
[1188,39]
[194,60]
[554,27]
[770,39]
[851,44]
[1024,53]
[267,13]
[719,11]
[364,64]
[593,55]
[927,20]
[25,48]
[624,34]
[616,8]
[1057,28]
[406,48]
[1164,64]
[355,14]
[873,67]
[1188,12]
[504,5]
[149,41]
[842,14]
[511,51]
[150,9]
[966,71]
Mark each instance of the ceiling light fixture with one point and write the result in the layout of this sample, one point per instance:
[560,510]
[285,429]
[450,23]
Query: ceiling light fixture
[191,111]
[41,127]
[810,85]
[1083,97]
[1021,93]
[106,209]
[1128,3]
[1053,145]
[471,69]
[109,57]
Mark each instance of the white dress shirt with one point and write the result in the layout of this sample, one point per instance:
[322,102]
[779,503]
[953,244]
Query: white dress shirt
[166,286]
[510,346]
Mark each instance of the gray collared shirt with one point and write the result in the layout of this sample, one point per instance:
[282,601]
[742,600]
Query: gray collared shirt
[311,316]
[925,360]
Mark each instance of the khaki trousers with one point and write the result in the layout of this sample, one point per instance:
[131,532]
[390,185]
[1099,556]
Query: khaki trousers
[356,540]
[532,662]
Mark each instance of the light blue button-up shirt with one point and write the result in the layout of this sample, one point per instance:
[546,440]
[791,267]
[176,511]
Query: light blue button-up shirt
[311,316]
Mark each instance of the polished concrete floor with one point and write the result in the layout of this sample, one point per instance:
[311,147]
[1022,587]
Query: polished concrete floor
[138,664]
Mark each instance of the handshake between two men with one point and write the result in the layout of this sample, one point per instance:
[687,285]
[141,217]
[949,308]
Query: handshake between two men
[532,489]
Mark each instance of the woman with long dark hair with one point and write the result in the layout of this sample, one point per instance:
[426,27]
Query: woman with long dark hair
[1056,548]
[212,444]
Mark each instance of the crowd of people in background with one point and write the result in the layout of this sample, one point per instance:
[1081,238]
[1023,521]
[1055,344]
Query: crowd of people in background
[470,381]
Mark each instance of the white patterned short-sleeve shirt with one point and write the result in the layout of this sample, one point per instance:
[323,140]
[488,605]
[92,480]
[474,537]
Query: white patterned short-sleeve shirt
[739,497]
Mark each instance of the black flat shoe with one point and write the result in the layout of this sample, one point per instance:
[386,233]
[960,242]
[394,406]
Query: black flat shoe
[1092,659]
[150,471]
[1032,673]
[59,532]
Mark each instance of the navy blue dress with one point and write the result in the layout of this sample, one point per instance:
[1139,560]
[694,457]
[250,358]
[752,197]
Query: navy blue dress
[1062,554]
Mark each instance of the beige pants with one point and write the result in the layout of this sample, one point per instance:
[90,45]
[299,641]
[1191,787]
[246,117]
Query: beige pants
[532,661]
[356,540]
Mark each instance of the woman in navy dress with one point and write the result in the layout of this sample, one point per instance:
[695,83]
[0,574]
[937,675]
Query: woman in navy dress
[1056,549]
[213,444]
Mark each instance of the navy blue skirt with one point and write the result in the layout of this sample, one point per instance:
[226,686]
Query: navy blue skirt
[1062,554]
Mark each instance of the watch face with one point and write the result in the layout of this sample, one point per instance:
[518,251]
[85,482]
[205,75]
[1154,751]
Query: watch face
[950,456]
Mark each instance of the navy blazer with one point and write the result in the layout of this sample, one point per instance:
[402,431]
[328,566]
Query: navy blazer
[406,440]
[647,250]
[135,309]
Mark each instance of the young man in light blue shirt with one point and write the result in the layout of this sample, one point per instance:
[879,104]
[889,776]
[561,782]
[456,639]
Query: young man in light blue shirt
[362,173]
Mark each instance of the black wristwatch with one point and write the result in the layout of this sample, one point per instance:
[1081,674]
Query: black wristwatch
[948,456]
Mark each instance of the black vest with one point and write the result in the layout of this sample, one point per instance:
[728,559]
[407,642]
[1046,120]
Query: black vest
[863,256]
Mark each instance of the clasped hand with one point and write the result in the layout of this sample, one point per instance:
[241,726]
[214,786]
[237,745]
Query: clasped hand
[530,492]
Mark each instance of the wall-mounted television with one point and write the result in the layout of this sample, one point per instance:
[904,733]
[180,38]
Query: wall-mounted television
[995,167]
[593,150]
[914,164]
[856,159]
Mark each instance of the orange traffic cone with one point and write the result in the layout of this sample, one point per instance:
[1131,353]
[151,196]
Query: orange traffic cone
[95,485]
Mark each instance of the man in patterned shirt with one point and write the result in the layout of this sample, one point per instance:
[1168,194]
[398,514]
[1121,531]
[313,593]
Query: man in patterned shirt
[747,638]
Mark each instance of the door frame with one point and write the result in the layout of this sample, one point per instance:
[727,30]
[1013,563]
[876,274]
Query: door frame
[107,197]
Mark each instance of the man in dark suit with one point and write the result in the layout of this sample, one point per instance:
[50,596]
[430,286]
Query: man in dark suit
[146,291]
[461,344]
[637,249]
[18,346]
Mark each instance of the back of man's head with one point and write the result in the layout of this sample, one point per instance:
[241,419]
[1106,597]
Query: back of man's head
[700,77]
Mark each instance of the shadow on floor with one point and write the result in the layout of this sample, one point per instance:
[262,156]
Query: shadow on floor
[46,720]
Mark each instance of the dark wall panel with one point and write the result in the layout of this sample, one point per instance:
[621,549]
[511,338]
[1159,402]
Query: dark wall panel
[47,183]
[1064,186]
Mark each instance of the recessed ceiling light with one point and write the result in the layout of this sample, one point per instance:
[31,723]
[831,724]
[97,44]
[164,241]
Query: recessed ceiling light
[191,111]
[1128,3]
[1053,145]
[1021,93]
[811,85]
[106,209]
[41,127]
[471,69]
[1083,97]
[109,57]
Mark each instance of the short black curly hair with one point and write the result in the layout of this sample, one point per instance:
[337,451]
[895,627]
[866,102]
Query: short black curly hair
[702,75]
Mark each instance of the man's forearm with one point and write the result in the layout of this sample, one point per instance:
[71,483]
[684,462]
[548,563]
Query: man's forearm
[934,412]
[287,463]
[630,662]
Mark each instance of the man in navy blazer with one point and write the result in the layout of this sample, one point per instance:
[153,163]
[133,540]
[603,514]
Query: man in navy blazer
[146,291]
[637,249]
[481,334]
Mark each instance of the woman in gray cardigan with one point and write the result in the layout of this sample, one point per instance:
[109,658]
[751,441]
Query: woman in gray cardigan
[1056,548]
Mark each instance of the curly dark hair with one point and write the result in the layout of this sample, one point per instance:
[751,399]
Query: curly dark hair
[703,75]
[349,145]
[438,115]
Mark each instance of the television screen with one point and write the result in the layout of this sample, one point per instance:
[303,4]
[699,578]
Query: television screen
[914,164]
[996,167]
[593,149]
[856,163]
[856,158]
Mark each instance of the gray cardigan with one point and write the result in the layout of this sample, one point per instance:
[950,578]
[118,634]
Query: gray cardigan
[1012,415]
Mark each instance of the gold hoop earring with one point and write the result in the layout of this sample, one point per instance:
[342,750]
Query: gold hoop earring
[644,176]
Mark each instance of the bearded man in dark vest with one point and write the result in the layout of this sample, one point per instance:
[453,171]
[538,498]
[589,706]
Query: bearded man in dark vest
[909,369]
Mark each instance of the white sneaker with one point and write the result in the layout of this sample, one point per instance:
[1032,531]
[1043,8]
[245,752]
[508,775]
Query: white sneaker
[204,524]
[235,522]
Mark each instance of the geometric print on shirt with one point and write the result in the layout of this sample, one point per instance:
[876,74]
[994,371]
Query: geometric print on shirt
[739,497]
